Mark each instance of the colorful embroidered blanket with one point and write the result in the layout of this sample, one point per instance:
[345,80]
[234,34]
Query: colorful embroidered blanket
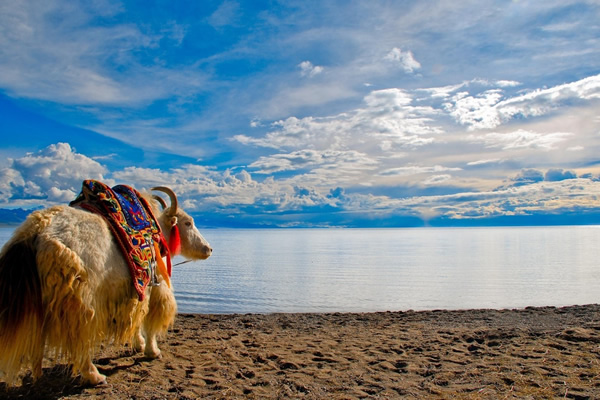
[131,221]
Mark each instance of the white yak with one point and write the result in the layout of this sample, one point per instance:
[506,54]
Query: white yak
[65,287]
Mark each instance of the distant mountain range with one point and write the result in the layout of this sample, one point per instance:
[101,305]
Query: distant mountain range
[13,216]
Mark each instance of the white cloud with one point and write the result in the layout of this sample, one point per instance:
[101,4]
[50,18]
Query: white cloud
[540,101]
[444,91]
[506,83]
[304,159]
[226,14]
[395,131]
[476,111]
[10,178]
[561,26]
[534,196]
[53,174]
[521,138]
[143,177]
[575,148]
[309,70]
[437,179]
[84,63]
[404,59]
[490,109]
[60,196]
[483,162]
[416,169]
[388,116]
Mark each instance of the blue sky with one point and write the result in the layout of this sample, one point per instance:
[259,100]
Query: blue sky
[308,113]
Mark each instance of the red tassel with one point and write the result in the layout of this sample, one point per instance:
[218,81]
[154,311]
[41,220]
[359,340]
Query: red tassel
[174,241]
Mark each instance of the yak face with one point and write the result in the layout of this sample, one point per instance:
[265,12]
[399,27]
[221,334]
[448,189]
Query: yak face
[193,244]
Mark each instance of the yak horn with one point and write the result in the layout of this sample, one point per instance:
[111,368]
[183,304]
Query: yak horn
[160,200]
[171,195]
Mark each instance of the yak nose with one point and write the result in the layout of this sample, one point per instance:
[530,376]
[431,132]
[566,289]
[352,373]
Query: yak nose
[208,250]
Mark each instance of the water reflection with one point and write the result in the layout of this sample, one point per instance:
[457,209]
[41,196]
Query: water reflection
[374,270]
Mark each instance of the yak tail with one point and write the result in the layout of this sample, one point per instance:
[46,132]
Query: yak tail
[21,310]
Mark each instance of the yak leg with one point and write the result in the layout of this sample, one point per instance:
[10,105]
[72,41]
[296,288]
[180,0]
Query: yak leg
[90,373]
[139,343]
[161,315]
[152,350]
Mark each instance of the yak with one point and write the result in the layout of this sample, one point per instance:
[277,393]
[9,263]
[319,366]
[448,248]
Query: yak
[66,288]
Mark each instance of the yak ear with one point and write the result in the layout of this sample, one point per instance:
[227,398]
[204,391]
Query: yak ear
[173,221]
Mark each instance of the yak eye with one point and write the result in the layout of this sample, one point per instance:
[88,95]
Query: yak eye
[188,223]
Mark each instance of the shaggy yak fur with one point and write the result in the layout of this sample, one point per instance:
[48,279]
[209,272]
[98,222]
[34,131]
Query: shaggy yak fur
[65,287]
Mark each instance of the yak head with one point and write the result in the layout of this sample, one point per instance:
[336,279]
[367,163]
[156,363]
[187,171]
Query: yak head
[193,244]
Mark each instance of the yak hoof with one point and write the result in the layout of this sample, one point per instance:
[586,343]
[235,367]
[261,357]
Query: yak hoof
[152,353]
[91,376]
[95,379]
[139,345]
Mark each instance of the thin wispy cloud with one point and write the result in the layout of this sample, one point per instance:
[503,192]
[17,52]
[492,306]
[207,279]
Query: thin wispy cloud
[523,139]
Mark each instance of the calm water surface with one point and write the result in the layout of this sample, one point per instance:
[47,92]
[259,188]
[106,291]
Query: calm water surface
[324,270]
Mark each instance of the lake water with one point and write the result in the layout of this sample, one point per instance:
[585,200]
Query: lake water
[330,270]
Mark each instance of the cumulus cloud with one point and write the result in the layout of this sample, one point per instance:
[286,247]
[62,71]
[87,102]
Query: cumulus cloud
[476,111]
[53,174]
[404,59]
[530,195]
[528,176]
[396,129]
[309,70]
[558,174]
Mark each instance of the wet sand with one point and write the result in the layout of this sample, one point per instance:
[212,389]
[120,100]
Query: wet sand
[531,353]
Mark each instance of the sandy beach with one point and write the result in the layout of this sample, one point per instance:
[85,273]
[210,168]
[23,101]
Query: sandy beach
[530,353]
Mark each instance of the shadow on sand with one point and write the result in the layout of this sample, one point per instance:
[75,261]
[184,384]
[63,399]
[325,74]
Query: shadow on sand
[58,381]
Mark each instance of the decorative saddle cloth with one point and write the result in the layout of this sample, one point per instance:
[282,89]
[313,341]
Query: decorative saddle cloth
[134,227]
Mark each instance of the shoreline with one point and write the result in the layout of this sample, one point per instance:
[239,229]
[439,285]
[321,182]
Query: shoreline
[479,353]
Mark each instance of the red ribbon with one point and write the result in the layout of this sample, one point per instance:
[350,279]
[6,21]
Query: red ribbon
[174,241]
